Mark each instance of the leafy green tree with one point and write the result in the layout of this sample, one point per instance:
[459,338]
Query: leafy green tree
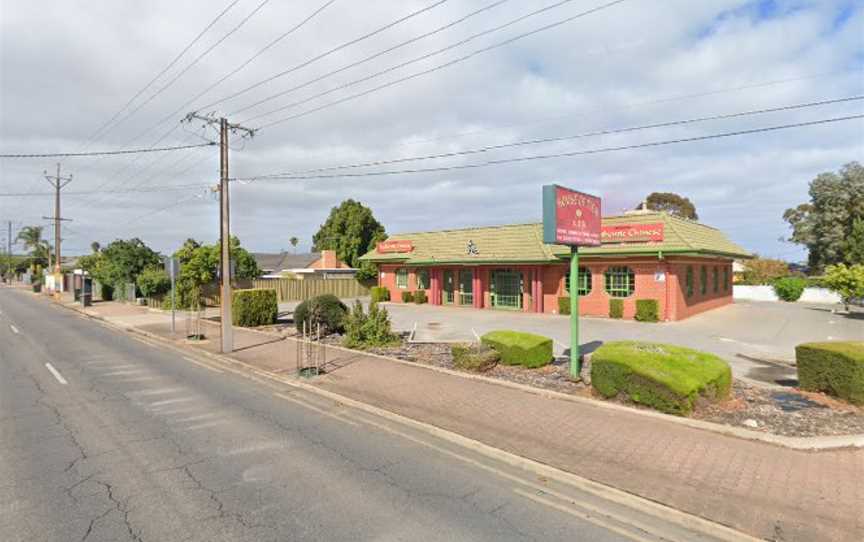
[153,282]
[671,203]
[848,282]
[199,265]
[829,225]
[352,231]
[123,260]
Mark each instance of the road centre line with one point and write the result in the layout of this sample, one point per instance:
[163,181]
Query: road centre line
[157,391]
[316,409]
[56,374]
[581,515]
[172,401]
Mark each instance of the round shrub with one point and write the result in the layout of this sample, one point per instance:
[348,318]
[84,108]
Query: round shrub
[474,358]
[790,288]
[325,310]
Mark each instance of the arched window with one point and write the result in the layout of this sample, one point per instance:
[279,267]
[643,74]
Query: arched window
[716,279]
[620,281]
[689,281]
[703,279]
[584,284]
[725,278]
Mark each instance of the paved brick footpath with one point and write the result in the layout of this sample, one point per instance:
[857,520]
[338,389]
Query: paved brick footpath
[762,489]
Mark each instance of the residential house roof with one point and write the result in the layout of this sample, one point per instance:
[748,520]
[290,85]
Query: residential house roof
[524,243]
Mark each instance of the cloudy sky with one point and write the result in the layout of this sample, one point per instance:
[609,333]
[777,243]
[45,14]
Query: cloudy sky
[121,74]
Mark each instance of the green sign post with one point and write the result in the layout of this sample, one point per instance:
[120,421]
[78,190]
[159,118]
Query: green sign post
[571,218]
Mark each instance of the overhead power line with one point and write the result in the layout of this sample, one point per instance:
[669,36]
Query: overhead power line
[324,54]
[489,148]
[156,188]
[557,155]
[107,153]
[438,67]
[369,58]
[161,73]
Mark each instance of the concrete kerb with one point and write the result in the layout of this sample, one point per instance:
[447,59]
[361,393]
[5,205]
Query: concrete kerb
[813,444]
[609,493]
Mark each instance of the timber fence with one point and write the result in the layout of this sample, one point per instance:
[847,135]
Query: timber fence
[300,290]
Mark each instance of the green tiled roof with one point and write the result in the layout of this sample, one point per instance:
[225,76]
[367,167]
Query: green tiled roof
[517,243]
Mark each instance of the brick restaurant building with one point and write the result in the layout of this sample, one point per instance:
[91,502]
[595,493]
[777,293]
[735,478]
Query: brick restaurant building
[686,266]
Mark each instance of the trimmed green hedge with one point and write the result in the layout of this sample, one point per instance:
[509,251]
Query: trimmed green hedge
[379,293]
[564,305]
[663,376]
[616,308]
[835,367]
[420,297]
[256,307]
[474,358]
[407,297]
[518,348]
[647,310]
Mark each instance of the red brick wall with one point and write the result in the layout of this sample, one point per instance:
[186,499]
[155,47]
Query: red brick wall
[670,293]
[698,302]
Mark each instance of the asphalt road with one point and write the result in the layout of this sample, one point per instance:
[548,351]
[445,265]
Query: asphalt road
[105,437]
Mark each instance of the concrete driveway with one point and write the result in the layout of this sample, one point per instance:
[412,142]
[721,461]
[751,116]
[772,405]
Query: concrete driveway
[757,338]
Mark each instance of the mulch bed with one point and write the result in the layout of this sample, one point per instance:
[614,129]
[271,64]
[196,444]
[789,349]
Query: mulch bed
[788,412]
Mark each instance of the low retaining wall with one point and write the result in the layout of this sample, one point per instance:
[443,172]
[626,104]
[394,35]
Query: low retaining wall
[766,293]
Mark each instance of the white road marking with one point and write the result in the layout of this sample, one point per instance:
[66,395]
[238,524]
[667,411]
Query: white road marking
[157,391]
[335,416]
[252,448]
[204,425]
[137,379]
[126,372]
[56,374]
[199,364]
[197,418]
[14,329]
[172,401]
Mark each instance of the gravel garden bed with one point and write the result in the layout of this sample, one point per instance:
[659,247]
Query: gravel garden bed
[788,412]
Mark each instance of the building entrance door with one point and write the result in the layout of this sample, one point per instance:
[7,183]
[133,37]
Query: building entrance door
[506,289]
[466,287]
[449,288]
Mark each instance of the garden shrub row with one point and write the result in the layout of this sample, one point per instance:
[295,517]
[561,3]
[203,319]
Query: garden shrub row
[835,367]
[474,358]
[616,308]
[255,307]
[518,348]
[665,377]
[647,310]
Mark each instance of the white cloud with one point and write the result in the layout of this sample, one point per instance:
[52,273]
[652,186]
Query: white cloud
[65,70]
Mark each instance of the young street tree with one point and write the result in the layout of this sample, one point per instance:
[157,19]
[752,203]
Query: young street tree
[831,224]
[672,203]
[351,230]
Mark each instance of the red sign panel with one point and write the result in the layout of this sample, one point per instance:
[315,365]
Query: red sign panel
[570,217]
[395,246]
[633,233]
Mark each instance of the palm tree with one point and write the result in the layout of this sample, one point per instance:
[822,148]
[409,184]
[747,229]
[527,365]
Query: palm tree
[294,242]
[40,249]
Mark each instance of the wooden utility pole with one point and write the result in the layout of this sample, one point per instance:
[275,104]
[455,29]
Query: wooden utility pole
[58,183]
[225,318]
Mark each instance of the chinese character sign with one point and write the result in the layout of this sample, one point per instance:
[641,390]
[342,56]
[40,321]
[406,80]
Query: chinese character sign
[570,217]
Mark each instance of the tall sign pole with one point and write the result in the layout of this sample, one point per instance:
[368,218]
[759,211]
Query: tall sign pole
[572,219]
[227,342]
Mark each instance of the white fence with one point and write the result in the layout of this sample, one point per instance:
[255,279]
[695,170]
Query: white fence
[766,293]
